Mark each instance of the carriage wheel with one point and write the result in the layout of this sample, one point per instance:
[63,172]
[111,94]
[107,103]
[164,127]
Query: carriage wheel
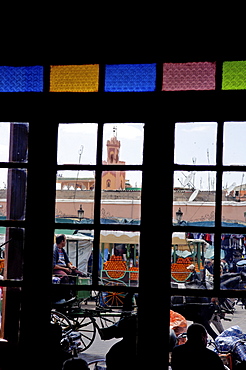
[112,299]
[60,319]
[86,326]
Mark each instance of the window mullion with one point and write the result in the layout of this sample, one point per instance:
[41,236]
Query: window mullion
[218,206]
[97,207]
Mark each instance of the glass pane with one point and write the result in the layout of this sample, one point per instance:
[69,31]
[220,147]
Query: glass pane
[120,201]
[77,143]
[123,143]
[120,252]
[234,75]
[233,199]
[130,77]
[234,143]
[13,193]
[208,311]
[21,79]
[72,263]
[75,196]
[74,78]
[195,143]
[13,142]
[194,198]
[233,266]
[192,260]
[11,252]
[189,76]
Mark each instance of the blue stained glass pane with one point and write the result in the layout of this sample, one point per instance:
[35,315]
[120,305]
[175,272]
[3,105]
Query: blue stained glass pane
[21,79]
[130,77]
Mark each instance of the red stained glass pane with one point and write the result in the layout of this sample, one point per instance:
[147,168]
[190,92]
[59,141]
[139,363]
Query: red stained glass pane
[188,76]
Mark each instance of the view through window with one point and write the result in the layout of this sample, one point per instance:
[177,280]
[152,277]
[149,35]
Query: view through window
[208,203]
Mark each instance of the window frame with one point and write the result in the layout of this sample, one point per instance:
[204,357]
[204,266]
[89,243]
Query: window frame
[159,111]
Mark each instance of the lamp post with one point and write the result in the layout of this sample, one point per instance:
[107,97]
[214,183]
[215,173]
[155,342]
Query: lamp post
[80,212]
[179,215]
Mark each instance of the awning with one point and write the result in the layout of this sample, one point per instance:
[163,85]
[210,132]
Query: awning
[120,237]
[179,239]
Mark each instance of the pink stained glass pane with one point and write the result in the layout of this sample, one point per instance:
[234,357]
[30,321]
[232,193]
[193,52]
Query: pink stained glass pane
[188,76]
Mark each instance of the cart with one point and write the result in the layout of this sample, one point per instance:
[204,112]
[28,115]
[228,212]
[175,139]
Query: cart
[86,319]
[186,252]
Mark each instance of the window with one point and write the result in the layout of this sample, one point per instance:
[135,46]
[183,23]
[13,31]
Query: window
[155,118]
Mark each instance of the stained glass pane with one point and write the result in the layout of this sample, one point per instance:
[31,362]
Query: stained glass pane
[74,78]
[130,77]
[21,79]
[234,75]
[189,76]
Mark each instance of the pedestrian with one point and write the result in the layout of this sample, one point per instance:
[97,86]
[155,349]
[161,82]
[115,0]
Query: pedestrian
[194,277]
[61,263]
[195,350]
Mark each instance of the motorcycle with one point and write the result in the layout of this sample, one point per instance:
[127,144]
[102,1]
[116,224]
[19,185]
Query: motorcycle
[71,343]
[231,347]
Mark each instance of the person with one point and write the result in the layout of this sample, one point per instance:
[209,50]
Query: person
[122,355]
[195,350]
[75,363]
[194,277]
[61,263]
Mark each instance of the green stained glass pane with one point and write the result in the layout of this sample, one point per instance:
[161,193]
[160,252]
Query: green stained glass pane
[234,75]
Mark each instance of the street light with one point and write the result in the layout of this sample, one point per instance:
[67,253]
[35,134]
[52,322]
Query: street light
[80,213]
[179,215]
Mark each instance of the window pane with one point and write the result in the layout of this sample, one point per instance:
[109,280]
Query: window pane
[233,261]
[13,193]
[77,250]
[192,260]
[194,198]
[123,143]
[77,143]
[189,76]
[13,142]
[21,79]
[130,77]
[195,143]
[11,252]
[74,78]
[234,143]
[233,199]
[120,252]
[120,201]
[75,189]
[207,310]
[234,75]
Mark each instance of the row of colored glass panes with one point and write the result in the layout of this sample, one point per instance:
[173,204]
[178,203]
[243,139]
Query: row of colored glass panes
[124,77]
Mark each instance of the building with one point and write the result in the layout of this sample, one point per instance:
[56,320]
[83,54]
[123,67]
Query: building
[111,180]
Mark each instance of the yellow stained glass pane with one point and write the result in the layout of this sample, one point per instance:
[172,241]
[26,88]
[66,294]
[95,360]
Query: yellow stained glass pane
[74,78]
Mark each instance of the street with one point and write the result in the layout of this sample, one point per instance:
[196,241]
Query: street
[99,348]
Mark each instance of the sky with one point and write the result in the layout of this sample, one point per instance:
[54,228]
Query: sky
[77,144]
[195,143]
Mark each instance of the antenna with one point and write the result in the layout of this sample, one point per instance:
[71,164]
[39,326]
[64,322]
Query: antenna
[193,195]
[115,131]
[81,152]
[232,186]
[241,187]
[208,171]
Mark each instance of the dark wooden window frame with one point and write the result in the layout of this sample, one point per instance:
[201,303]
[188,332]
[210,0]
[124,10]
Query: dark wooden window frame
[159,111]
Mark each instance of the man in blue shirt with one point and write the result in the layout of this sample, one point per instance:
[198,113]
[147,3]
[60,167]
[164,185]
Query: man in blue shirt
[61,263]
